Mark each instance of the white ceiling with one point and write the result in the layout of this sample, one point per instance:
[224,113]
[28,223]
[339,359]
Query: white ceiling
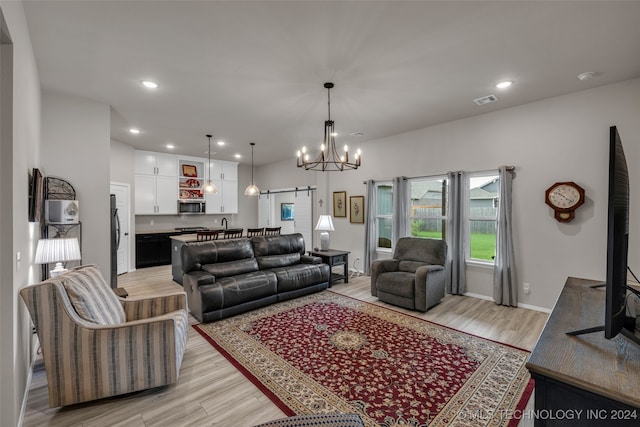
[254,71]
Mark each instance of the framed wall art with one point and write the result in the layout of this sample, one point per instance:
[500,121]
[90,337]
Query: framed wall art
[340,204]
[356,209]
[286,212]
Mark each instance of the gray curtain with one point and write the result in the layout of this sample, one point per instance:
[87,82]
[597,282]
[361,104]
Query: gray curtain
[370,210]
[456,275]
[505,284]
[400,208]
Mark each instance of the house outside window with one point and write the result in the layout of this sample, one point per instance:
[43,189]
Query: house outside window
[384,215]
[482,213]
[428,207]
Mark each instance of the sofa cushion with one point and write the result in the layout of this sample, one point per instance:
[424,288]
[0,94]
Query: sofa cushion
[195,255]
[278,251]
[410,266]
[398,283]
[430,251]
[91,297]
[230,291]
[231,268]
[274,261]
[300,276]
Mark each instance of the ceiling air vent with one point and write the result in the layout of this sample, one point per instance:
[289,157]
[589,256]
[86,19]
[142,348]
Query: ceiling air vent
[485,100]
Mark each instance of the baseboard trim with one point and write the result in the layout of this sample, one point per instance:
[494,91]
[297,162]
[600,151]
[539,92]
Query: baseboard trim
[520,305]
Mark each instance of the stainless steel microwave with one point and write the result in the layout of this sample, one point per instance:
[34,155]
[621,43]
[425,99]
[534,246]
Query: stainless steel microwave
[191,207]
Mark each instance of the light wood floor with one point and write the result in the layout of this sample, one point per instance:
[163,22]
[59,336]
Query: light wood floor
[211,392]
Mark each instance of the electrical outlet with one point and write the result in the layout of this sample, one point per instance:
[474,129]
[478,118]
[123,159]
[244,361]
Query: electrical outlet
[527,288]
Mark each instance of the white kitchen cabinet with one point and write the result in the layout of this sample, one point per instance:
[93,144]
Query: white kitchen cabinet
[225,201]
[156,183]
[152,163]
[225,176]
[226,171]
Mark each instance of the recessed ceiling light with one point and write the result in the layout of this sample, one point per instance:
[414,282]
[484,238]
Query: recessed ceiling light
[221,143]
[505,84]
[238,156]
[149,84]
[170,146]
[134,131]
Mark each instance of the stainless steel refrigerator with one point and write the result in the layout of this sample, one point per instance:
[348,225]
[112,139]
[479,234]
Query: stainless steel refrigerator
[115,241]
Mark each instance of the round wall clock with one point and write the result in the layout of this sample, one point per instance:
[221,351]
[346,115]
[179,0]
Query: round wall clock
[564,198]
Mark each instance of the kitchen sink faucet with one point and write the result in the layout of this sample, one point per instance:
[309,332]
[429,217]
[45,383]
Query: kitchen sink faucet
[225,222]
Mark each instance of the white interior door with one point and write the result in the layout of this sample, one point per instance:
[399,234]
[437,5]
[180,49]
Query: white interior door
[269,210]
[122,204]
[264,211]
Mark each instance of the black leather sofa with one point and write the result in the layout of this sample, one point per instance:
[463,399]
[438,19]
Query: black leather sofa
[223,278]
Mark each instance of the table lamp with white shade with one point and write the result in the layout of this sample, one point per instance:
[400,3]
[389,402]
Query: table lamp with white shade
[58,251]
[325,224]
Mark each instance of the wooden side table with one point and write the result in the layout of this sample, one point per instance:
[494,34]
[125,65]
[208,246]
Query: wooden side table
[335,257]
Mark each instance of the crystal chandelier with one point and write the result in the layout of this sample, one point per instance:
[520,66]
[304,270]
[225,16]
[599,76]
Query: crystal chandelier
[328,159]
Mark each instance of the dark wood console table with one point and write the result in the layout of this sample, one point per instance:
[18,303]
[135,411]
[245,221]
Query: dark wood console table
[335,257]
[584,380]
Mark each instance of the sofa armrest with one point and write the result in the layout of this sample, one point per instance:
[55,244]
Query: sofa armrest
[310,259]
[107,351]
[192,283]
[378,267]
[429,286]
[145,308]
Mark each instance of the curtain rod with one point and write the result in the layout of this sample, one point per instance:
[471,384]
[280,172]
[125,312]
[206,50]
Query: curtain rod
[509,168]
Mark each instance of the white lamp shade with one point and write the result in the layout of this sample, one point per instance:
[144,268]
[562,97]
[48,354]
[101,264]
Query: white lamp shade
[325,223]
[57,250]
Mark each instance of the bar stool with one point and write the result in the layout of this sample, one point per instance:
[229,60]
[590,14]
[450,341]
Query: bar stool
[272,231]
[207,235]
[233,233]
[255,232]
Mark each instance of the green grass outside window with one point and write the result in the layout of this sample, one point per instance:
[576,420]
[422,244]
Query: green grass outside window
[483,246]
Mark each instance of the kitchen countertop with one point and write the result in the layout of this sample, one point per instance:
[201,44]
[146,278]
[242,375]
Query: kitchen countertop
[173,231]
[185,237]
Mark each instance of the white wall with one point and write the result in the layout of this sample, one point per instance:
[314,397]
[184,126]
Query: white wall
[564,138]
[76,145]
[19,153]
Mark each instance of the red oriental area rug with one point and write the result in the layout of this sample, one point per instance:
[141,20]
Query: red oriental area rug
[327,353]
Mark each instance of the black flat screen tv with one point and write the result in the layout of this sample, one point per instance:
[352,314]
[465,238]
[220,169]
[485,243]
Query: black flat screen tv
[615,320]
[617,237]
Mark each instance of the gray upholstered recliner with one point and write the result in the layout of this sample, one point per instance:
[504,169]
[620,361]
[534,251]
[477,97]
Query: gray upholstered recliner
[415,277]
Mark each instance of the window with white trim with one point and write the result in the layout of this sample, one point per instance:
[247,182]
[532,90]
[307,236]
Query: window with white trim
[483,190]
[384,216]
[428,207]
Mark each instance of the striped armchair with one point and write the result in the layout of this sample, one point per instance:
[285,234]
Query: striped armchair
[96,345]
